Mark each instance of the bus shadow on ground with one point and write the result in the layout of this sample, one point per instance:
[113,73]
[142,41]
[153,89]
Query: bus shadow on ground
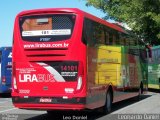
[125,103]
[85,115]
[69,115]
[5,95]
[154,90]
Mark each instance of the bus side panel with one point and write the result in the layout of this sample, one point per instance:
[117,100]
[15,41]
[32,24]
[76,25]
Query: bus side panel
[8,66]
[153,76]
[95,93]
[6,69]
[104,69]
[154,69]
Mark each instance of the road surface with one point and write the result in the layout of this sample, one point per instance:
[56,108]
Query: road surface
[148,105]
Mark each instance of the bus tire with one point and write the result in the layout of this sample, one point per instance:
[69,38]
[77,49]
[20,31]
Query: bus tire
[49,113]
[108,104]
[52,112]
[141,89]
[140,92]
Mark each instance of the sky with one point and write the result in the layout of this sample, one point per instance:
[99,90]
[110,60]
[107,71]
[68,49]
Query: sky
[10,8]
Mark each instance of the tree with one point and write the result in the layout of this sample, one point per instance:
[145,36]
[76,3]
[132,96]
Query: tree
[142,16]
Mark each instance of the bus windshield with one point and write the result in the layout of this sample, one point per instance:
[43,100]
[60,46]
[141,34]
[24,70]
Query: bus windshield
[47,28]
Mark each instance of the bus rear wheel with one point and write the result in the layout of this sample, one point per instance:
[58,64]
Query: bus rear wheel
[140,92]
[108,105]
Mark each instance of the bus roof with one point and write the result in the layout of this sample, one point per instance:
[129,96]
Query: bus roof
[72,10]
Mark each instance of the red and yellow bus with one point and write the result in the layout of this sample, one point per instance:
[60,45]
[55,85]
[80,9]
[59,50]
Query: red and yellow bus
[67,59]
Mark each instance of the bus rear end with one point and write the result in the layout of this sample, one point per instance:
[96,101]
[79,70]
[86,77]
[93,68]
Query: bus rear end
[48,60]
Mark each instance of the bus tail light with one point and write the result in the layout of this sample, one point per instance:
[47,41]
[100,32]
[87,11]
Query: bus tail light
[79,83]
[3,80]
[14,77]
[80,78]
[14,83]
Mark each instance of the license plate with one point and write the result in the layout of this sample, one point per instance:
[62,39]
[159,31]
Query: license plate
[45,100]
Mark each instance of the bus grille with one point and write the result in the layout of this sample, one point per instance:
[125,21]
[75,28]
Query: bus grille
[45,54]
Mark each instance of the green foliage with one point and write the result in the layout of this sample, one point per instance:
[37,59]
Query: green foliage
[143,16]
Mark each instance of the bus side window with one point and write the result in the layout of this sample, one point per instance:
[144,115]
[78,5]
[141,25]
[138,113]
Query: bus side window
[84,33]
[127,42]
[117,39]
[106,38]
[132,42]
[102,38]
[87,34]
[121,41]
[98,33]
[93,34]
[110,39]
[114,40]
[124,42]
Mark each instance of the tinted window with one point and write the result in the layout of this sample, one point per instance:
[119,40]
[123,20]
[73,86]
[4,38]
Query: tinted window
[93,33]
[46,28]
[96,33]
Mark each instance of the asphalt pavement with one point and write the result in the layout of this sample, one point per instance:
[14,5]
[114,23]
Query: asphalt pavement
[127,109]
